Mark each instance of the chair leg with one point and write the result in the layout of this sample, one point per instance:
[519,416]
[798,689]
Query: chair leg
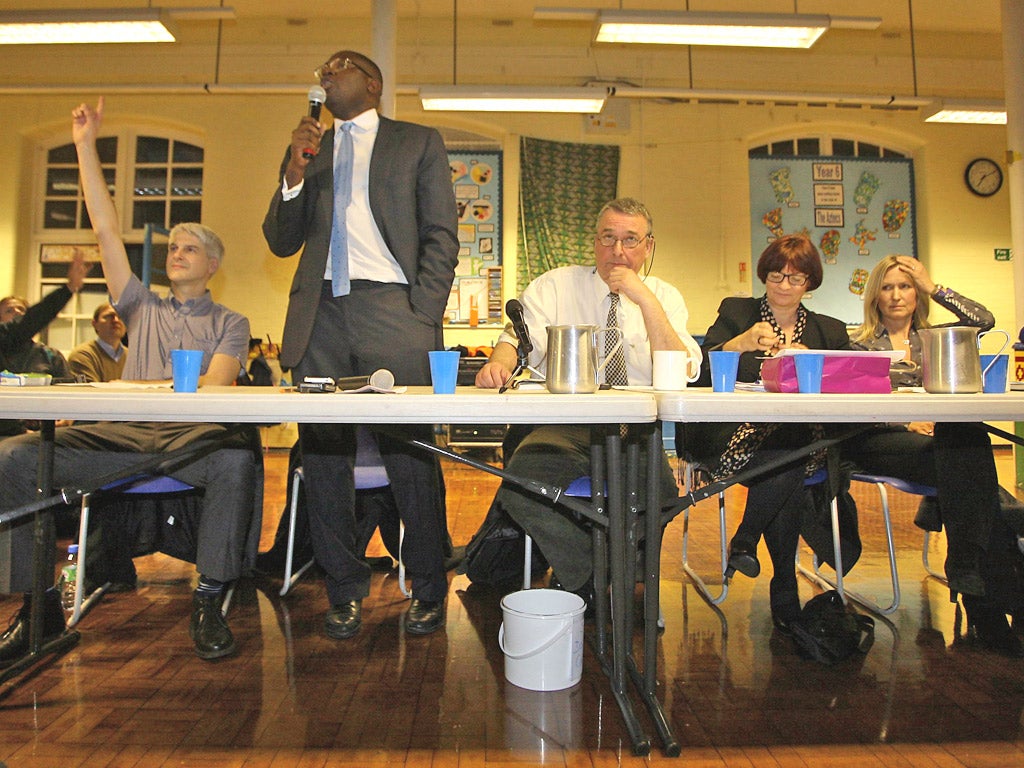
[818,577]
[527,561]
[225,603]
[291,578]
[699,584]
[401,564]
[924,560]
[83,603]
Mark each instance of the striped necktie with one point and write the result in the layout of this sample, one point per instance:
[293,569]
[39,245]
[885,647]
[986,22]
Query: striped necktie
[615,368]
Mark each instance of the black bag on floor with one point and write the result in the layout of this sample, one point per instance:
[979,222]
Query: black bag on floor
[829,631]
[495,554]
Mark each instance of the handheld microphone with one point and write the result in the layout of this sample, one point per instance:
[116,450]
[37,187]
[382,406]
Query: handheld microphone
[381,379]
[514,310]
[317,96]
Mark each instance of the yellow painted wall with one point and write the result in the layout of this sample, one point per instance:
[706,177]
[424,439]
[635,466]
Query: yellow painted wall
[688,162]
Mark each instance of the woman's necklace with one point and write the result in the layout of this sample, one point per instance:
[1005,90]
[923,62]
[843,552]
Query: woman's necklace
[798,329]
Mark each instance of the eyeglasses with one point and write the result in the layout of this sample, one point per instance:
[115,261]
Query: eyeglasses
[336,66]
[795,280]
[628,243]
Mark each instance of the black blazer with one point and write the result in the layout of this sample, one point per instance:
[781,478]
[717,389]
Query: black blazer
[736,315]
[413,204]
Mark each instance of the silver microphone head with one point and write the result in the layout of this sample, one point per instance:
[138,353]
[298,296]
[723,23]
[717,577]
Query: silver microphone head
[317,94]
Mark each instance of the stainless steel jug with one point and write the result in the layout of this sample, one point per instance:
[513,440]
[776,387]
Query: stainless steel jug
[950,363]
[572,357]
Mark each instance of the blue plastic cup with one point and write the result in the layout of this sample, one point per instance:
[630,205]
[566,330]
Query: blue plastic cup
[993,368]
[185,367]
[724,366]
[808,372]
[444,371]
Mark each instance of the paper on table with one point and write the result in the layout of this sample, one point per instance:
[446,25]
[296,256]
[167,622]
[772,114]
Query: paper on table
[125,385]
[372,388]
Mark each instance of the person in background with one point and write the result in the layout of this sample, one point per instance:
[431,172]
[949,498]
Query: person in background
[102,358]
[186,318]
[758,327]
[652,316]
[20,322]
[369,201]
[954,458]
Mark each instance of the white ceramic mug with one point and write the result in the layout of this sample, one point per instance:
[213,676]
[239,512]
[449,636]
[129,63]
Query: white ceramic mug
[671,369]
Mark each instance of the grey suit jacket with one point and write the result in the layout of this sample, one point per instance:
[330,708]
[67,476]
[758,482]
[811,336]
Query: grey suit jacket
[412,203]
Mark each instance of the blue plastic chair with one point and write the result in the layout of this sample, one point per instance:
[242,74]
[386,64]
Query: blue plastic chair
[138,485]
[370,473]
[880,482]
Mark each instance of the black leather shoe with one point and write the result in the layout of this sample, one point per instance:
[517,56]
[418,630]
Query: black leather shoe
[209,631]
[424,617]
[785,626]
[743,558]
[991,628]
[14,642]
[344,620]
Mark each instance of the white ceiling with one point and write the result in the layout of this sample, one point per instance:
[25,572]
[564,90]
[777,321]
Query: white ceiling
[955,49]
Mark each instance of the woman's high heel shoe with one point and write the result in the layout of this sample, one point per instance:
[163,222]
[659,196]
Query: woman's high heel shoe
[991,628]
[742,558]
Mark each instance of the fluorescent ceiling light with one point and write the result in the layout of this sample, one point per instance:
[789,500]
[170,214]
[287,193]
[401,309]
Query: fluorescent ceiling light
[761,30]
[978,113]
[460,98]
[99,25]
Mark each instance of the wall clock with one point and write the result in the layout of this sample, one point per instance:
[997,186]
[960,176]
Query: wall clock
[984,177]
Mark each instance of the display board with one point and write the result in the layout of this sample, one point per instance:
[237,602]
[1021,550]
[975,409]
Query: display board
[476,180]
[856,210]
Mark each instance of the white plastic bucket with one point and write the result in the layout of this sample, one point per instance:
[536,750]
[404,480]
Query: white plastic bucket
[541,636]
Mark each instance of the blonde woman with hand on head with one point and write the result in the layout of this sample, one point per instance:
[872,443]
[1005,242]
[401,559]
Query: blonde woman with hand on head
[954,458]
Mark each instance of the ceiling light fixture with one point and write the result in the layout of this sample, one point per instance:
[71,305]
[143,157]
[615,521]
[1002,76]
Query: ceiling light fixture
[99,25]
[759,30]
[462,98]
[975,113]
[762,30]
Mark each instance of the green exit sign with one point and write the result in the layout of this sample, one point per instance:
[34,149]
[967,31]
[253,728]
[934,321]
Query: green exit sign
[1004,254]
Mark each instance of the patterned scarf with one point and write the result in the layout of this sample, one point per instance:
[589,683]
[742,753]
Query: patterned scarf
[749,437]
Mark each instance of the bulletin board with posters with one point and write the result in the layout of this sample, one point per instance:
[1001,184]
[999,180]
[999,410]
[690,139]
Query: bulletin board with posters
[476,180]
[855,210]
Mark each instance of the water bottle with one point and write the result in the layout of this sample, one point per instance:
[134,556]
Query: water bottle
[68,582]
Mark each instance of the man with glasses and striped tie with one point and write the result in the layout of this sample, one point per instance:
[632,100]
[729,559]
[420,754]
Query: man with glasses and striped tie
[616,292]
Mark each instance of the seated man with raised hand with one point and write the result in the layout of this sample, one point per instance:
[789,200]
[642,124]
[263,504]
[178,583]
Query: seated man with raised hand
[232,475]
[19,323]
[611,292]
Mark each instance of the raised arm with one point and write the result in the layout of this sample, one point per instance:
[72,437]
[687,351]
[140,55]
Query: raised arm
[85,126]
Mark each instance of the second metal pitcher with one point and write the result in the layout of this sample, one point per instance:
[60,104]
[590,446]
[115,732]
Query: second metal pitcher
[572,357]
[950,363]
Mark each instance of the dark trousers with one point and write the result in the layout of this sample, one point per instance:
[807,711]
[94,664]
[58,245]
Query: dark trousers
[83,453]
[558,454]
[958,462]
[373,327]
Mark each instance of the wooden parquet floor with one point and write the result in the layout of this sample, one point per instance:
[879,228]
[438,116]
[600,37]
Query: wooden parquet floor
[132,694]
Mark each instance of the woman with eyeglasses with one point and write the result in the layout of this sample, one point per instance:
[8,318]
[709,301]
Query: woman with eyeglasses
[983,564]
[757,328]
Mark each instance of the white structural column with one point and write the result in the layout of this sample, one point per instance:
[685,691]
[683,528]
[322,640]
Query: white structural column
[384,31]
[1013,78]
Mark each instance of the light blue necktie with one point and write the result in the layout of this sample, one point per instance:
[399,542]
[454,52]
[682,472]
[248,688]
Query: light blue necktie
[340,285]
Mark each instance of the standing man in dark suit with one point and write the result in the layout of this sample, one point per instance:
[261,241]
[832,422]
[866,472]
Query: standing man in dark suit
[370,203]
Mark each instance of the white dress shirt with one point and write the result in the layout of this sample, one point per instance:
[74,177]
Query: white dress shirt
[577,295]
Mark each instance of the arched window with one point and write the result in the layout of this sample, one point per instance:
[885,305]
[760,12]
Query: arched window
[153,179]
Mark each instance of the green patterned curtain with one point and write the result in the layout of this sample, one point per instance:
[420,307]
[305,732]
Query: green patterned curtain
[562,187]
